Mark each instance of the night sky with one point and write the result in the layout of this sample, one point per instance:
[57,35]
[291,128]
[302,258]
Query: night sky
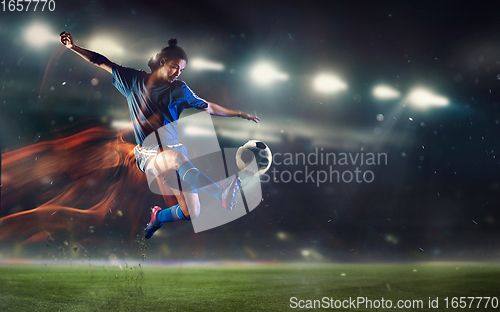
[435,198]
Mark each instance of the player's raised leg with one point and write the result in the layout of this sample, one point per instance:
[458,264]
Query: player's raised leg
[174,160]
[188,208]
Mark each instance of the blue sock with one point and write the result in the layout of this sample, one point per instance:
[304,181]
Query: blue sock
[171,214]
[190,174]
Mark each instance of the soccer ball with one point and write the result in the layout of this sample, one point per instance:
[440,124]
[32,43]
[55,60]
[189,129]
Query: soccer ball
[251,150]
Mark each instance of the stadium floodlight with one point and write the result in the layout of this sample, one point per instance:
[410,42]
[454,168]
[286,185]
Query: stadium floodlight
[106,46]
[422,98]
[196,131]
[153,55]
[265,74]
[305,252]
[122,124]
[385,93]
[326,83]
[201,64]
[38,35]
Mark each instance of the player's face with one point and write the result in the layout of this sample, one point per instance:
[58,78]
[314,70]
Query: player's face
[172,69]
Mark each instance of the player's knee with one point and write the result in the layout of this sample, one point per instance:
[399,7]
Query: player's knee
[169,159]
[193,210]
[178,159]
[190,208]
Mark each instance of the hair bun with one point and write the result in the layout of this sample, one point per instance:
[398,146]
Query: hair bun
[172,42]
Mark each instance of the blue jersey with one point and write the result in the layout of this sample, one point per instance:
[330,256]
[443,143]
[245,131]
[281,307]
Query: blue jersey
[158,105]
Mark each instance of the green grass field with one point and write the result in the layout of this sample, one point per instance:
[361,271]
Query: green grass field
[240,288]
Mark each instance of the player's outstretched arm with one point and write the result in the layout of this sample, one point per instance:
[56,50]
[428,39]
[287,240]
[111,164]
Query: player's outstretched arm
[217,110]
[90,56]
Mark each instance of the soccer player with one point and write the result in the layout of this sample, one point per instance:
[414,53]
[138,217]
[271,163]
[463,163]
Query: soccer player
[155,101]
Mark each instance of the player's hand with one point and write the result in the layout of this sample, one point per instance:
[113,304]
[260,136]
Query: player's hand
[249,117]
[67,40]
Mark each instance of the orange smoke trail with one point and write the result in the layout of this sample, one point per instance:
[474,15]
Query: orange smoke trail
[69,184]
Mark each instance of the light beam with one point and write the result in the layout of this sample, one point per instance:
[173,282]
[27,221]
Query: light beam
[385,93]
[38,35]
[422,98]
[106,46]
[265,74]
[201,64]
[326,83]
